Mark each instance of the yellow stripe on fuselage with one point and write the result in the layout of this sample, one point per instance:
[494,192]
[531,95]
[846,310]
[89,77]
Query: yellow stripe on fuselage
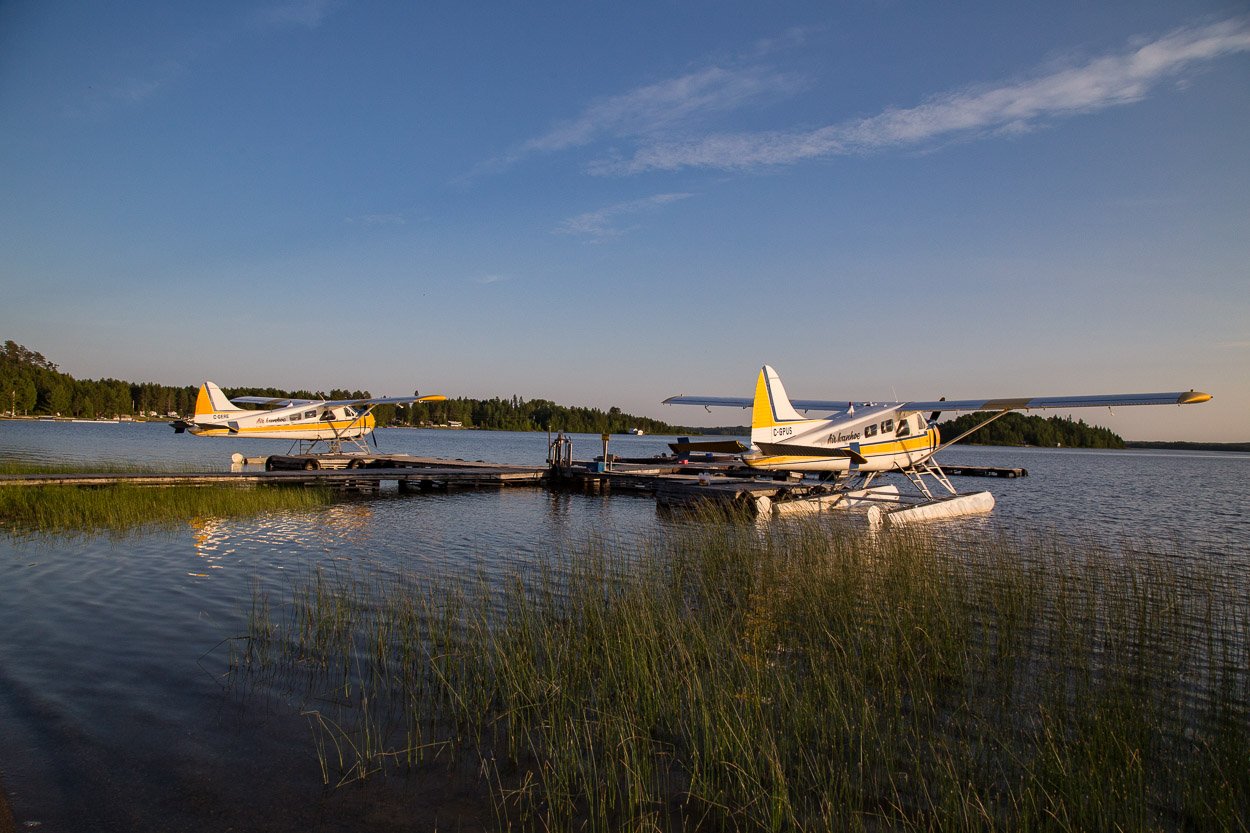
[918,444]
[329,429]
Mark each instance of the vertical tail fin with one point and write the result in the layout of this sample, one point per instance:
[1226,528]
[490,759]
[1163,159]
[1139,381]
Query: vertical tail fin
[211,400]
[772,408]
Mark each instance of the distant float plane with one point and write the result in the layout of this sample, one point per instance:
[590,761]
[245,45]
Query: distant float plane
[859,441]
[300,420]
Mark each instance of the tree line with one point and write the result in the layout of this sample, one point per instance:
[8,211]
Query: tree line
[32,385]
[1021,429]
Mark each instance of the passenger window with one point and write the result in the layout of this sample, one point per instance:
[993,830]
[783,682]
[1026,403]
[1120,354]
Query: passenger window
[904,427]
[309,414]
[887,426]
[328,416]
[870,431]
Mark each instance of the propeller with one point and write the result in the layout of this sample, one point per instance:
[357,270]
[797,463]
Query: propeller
[933,417]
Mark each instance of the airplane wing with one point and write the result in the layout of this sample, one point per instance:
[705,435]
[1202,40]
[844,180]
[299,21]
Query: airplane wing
[272,400]
[714,401]
[337,403]
[746,402]
[382,400]
[1105,400]
[1098,400]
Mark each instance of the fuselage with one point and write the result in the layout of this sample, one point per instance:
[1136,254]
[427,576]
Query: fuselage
[303,422]
[869,438]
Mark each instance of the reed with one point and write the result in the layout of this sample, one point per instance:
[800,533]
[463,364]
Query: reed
[67,509]
[802,677]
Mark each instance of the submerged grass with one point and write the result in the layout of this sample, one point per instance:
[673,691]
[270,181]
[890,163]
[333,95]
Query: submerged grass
[803,677]
[120,508]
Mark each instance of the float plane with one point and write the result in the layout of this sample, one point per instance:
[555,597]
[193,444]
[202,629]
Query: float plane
[300,420]
[858,441]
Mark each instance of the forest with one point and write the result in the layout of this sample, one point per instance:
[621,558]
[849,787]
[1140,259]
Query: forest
[32,385]
[1021,429]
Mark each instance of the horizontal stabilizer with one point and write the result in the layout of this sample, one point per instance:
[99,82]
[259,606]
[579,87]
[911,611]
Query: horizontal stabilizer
[710,446]
[785,450]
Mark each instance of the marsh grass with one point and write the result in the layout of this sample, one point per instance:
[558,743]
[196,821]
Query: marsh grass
[800,677]
[121,508]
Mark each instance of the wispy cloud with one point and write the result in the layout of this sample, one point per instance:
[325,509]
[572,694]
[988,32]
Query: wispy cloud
[199,46]
[1009,107]
[601,225]
[487,280]
[307,13]
[656,108]
[1244,344]
[376,220]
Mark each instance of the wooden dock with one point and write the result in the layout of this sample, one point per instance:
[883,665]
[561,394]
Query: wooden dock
[442,476]
[674,482]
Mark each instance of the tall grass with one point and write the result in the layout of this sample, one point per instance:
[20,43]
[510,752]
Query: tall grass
[803,677]
[121,508]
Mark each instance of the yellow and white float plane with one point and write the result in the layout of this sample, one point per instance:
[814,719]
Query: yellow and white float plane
[865,439]
[299,420]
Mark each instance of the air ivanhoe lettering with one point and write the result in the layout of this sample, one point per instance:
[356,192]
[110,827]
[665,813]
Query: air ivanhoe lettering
[843,438]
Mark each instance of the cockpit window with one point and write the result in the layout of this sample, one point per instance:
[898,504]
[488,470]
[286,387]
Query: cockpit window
[904,428]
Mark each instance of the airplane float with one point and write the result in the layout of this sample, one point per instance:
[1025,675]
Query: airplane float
[301,420]
[857,442]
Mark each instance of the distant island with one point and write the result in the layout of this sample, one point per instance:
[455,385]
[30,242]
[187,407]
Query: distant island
[1184,446]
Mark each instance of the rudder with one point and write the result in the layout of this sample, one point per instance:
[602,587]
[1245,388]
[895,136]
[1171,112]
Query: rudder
[771,407]
[211,400]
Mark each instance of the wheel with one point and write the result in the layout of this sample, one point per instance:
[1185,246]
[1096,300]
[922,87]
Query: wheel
[311,465]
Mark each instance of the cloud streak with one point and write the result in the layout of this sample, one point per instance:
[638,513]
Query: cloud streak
[656,108]
[601,225]
[307,13]
[1010,107]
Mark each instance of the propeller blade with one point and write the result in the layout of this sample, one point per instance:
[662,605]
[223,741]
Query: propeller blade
[933,417]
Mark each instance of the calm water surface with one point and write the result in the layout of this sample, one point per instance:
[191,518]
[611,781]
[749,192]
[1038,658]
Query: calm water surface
[113,714]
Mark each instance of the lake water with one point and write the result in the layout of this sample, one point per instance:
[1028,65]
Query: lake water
[113,709]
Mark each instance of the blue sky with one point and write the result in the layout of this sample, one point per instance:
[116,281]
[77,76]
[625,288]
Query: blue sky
[608,204]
